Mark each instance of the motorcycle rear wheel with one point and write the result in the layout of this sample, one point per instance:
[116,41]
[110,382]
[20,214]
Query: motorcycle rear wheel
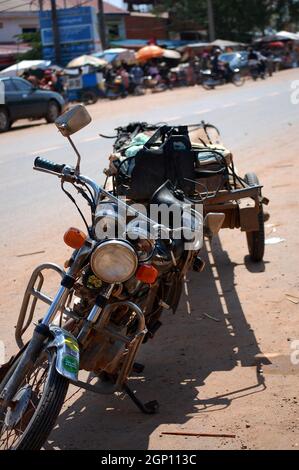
[256,240]
[238,80]
[38,402]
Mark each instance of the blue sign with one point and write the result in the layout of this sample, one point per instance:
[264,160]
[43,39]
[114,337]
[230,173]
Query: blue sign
[78,33]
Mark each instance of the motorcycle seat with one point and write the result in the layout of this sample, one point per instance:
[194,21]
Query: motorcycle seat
[211,155]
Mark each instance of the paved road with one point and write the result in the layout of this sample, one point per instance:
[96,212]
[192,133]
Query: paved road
[201,382]
[244,115]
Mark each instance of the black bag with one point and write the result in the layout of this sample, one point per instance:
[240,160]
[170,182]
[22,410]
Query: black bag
[166,156]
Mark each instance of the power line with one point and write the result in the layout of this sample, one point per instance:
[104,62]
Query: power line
[4,1]
[16,6]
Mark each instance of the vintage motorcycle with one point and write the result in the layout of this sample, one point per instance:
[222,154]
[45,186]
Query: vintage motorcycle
[110,301]
[210,81]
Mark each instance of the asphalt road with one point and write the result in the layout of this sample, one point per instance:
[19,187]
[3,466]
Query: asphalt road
[216,371]
[245,116]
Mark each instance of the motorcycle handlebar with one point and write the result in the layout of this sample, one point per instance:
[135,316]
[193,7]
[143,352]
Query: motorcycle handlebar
[44,164]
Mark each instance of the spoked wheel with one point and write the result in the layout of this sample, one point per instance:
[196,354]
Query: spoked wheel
[256,240]
[29,418]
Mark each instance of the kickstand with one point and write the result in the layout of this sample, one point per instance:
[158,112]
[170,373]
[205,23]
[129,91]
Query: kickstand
[149,408]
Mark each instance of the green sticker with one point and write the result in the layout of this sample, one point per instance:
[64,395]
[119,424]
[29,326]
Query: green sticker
[72,344]
[70,364]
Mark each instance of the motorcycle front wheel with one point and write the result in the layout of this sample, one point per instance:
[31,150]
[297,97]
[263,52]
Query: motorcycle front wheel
[27,421]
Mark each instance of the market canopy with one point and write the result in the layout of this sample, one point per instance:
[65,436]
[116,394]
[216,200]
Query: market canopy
[20,67]
[222,43]
[149,52]
[171,54]
[280,36]
[287,35]
[85,60]
[117,54]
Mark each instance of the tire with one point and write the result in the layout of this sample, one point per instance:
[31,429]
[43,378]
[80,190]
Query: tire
[4,120]
[89,97]
[238,80]
[207,86]
[42,420]
[53,112]
[256,240]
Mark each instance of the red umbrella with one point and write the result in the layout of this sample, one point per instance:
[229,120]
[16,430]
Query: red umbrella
[277,44]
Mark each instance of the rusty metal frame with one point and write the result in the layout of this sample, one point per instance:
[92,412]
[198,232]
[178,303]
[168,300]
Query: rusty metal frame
[228,201]
[33,289]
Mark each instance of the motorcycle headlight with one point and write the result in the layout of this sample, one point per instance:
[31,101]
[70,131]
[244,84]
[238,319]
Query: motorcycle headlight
[114,261]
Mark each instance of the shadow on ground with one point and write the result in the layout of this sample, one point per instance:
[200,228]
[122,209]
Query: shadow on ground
[179,360]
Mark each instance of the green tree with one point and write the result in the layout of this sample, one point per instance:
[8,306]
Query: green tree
[234,19]
[34,41]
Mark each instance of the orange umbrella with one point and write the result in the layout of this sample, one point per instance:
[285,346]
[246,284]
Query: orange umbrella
[149,52]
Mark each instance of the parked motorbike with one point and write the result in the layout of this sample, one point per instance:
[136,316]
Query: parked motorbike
[115,88]
[209,80]
[257,69]
[136,89]
[109,301]
[155,84]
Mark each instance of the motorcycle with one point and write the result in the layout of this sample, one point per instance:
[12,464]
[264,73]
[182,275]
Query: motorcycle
[125,270]
[115,88]
[154,84]
[257,69]
[210,81]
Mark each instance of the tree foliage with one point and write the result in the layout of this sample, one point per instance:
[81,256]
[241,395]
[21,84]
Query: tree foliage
[34,41]
[234,19]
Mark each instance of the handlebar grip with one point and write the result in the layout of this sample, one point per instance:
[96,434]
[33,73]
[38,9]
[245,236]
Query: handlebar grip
[48,165]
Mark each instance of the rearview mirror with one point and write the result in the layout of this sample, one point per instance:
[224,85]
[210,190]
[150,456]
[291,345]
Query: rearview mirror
[73,120]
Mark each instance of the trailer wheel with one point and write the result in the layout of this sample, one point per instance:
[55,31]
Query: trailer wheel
[256,240]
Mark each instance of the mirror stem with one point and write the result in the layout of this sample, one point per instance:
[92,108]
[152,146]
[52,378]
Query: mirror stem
[77,169]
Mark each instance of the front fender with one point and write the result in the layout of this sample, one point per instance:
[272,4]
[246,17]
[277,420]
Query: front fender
[68,353]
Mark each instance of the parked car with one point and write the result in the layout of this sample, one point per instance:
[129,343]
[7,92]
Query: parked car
[20,100]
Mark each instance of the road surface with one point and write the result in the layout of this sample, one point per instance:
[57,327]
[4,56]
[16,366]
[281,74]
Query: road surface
[202,372]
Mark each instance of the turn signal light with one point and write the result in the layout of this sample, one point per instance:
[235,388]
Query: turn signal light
[147,274]
[74,238]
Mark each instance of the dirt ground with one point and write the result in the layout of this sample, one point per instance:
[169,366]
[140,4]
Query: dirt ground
[205,373]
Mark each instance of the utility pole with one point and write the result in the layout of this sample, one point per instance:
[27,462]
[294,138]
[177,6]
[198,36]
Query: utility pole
[102,25]
[41,5]
[211,19]
[55,29]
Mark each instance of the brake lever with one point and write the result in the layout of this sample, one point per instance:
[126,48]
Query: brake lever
[108,136]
